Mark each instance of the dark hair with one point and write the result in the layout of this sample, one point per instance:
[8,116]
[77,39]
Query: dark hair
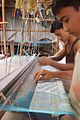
[57,5]
[56,25]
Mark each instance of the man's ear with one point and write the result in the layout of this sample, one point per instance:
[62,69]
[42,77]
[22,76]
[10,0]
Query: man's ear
[79,8]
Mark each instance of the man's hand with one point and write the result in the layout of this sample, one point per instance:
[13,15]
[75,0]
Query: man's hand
[44,75]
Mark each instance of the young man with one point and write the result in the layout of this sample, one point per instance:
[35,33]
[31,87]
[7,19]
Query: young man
[69,51]
[68,12]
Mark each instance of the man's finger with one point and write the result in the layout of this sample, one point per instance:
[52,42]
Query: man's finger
[35,74]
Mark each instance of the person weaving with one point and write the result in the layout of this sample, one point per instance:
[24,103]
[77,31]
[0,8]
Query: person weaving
[69,51]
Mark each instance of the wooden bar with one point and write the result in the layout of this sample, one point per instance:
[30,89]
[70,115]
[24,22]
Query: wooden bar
[48,20]
[3,22]
[29,29]
[23,22]
[4,30]
[19,30]
[12,47]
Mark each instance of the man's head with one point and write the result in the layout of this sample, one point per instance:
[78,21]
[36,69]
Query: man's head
[57,5]
[68,12]
[56,25]
[57,29]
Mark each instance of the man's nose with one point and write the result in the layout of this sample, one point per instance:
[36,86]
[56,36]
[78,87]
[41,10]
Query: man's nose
[58,37]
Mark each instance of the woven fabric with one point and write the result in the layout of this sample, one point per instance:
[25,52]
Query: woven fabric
[50,97]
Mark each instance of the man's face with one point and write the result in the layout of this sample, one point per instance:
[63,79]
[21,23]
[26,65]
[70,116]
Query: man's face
[70,19]
[62,35]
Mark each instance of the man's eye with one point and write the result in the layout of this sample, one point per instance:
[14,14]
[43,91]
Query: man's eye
[58,34]
[66,20]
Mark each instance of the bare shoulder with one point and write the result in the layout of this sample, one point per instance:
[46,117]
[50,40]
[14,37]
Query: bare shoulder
[77,46]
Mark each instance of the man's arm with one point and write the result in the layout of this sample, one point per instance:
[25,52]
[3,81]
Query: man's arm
[46,75]
[59,55]
[60,66]
[46,60]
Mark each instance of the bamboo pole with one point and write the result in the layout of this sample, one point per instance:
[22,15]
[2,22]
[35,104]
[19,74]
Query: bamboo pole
[44,19]
[4,26]
[29,29]
[19,30]
[23,22]
[3,22]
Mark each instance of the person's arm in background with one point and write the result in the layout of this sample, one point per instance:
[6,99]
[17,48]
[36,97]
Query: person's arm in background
[61,66]
[46,75]
[59,55]
[46,60]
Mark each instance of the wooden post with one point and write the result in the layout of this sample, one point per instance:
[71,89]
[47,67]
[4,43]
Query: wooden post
[23,22]
[4,26]
[12,47]
[12,43]
[29,29]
